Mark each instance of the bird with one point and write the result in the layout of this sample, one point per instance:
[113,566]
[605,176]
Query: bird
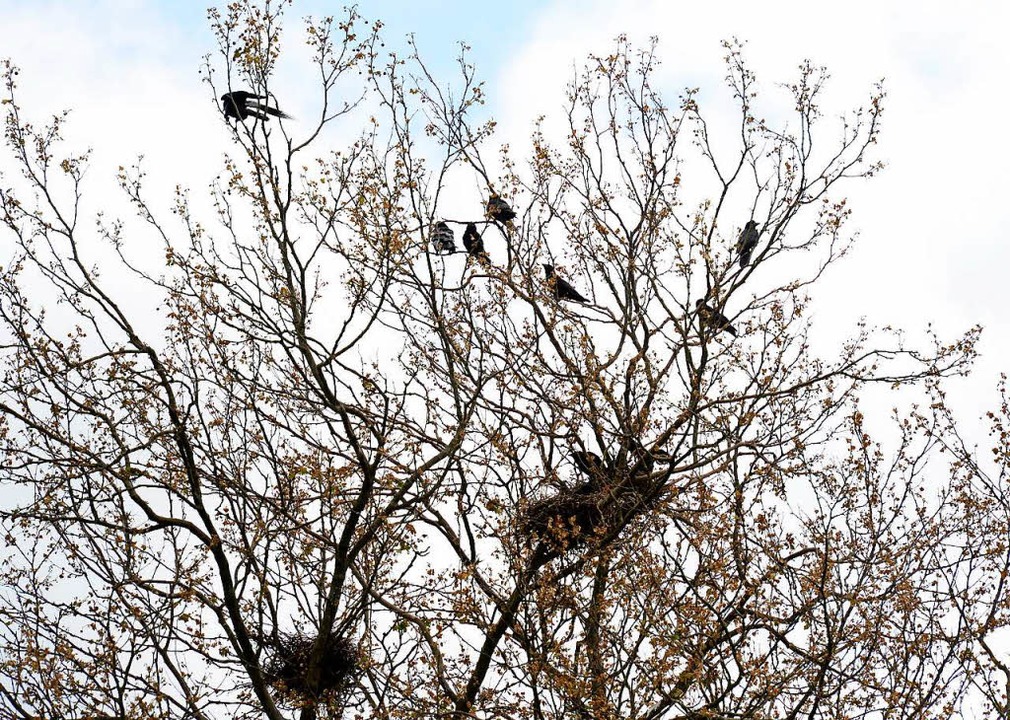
[714,319]
[240,104]
[642,461]
[589,462]
[562,290]
[474,244]
[747,242]
[499,210]
[443,239]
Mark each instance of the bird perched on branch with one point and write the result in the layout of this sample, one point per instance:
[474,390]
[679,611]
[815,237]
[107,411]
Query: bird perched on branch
[443,239]
[240,104]
[474,244]
[643,460]
[714,319]
[589,462]
[747,242]
[499,210]
[562,290]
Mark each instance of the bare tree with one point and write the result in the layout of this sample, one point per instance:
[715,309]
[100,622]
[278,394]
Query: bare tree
[335,470]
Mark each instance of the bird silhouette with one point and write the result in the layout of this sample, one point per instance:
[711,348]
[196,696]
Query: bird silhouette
[590,463]
[474,244]
[240,104]
[747,242]
[714,319]
[499,210]
[641,460]
[443,239]
[562,290]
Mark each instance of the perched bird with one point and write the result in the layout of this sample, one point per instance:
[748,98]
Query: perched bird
[443,239]
[499,210]
[589,462]
[562,290]
[643,460]
[241,104]
[747,242]
[714,319]
[474,244]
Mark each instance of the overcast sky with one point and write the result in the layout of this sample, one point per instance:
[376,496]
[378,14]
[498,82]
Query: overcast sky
[933,245]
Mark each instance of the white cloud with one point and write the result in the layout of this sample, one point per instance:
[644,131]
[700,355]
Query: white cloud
[933,239]
[130,78]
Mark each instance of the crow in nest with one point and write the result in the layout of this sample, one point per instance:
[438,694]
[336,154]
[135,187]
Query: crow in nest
[562,290]
[747,242]
[499,210]
[240,104]
[474,244]
[714,319]
[443,239]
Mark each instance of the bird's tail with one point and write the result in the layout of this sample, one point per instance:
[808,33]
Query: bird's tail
[276,112]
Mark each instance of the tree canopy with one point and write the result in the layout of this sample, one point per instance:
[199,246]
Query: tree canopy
[320,462]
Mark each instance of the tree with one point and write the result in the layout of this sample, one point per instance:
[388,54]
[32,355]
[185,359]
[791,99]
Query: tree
[340,473]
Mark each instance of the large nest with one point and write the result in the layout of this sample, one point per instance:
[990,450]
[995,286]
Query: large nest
[574,517]
[619,487]
[288,664]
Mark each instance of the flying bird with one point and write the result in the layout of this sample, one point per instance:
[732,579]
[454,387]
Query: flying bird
[499,210]
[474,244]
[562,290]
[443,239]
[747,242]
[714,319]
[241,104]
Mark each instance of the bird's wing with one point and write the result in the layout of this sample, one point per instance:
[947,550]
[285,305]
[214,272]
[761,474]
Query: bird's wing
[566,291]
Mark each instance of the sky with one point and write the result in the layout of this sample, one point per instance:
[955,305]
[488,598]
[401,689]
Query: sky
[933,241]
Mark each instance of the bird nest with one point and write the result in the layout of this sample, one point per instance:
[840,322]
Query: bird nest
[575,517]
[287,667]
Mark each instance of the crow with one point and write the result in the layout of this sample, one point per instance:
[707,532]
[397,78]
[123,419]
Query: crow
[642,460]
[474,244]
[589,462]
[241,104]
[443,239]
[562,290]
[747,242]
[714,319]
[499,210]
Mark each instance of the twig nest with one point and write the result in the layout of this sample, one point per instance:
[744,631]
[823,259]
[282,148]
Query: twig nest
[574,517]
[287,667]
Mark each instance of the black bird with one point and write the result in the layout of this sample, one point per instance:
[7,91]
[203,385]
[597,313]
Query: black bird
[590,463]
[642,460]
[747,242]
[714,319]
[443,239]
[241,104]
[474,244]
[562,290]
[499,210]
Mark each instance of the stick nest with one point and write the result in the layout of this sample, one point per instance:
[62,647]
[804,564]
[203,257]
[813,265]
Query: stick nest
[287,667]
[574,517]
